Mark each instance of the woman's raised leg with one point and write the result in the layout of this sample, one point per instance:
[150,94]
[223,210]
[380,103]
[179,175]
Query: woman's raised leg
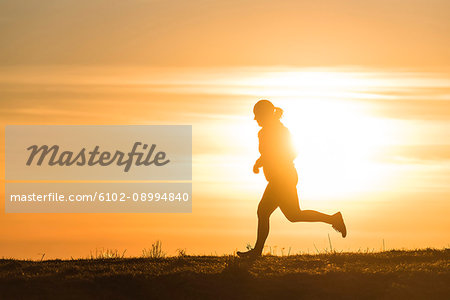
[291,209]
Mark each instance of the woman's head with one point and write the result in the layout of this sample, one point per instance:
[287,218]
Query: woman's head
[265,112]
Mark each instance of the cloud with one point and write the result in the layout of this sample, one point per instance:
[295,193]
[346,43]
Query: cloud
[413,154]
[431,110]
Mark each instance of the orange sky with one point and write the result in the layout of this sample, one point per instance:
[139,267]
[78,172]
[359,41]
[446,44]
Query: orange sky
[365,86]
[223,33]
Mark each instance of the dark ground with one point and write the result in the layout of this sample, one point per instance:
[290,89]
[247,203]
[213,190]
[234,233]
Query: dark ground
[422,274]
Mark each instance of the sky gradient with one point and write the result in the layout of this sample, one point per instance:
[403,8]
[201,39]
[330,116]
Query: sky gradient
[365,87]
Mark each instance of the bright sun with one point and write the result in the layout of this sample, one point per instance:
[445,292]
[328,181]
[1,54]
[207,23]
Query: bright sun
[336,139]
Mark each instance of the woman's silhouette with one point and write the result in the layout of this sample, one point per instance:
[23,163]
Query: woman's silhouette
[277,160]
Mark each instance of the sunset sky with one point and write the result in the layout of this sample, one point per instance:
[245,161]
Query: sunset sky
[365,86]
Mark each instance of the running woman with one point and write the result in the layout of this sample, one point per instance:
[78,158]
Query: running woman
[277,160]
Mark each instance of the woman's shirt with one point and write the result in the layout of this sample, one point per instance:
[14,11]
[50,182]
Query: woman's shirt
[277,152]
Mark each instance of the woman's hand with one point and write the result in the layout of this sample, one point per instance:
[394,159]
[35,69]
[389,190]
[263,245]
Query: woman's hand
[258,164]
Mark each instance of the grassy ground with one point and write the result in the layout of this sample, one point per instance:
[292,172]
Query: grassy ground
[422,274]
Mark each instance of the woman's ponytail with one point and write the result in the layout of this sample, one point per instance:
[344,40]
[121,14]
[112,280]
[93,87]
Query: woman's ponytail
[278,113]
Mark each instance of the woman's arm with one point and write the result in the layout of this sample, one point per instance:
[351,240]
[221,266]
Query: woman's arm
[258,164]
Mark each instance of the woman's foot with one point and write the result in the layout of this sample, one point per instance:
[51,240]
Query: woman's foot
[253,253]
[339,225]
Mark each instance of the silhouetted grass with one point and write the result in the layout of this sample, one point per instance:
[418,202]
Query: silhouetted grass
[155,251]
[420,274]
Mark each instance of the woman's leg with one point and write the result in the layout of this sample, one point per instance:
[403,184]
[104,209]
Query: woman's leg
[290,207]
[265,208]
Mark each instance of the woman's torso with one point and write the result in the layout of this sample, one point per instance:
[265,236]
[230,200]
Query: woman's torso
[278,153]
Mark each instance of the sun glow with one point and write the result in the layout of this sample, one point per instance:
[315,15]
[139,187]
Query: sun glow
[336,139]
